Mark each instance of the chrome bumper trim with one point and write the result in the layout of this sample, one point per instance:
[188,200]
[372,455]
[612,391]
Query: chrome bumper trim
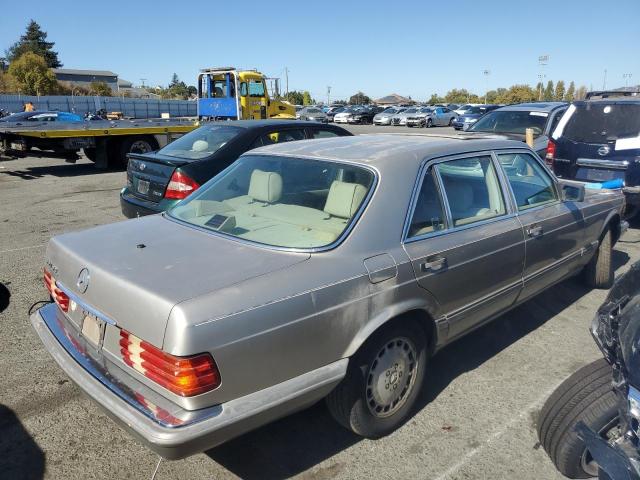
[595,162]
[207,427]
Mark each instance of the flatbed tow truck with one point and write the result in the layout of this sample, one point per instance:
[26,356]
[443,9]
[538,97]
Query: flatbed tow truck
[105,142]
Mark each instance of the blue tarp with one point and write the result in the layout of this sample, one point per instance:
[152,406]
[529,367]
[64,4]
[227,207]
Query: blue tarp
[130,107]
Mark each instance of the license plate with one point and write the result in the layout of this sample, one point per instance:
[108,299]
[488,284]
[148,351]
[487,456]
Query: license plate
[143,187]
[598,175]
[92,329]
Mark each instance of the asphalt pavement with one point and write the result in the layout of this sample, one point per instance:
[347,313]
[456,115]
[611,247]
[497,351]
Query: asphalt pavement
[476,418]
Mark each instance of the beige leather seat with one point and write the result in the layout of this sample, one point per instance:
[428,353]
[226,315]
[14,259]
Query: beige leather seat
[344,199]
[460,196]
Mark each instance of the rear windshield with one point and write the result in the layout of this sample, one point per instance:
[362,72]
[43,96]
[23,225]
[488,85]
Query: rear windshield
[598,123]
[279,201]
[511,121]
[200,143]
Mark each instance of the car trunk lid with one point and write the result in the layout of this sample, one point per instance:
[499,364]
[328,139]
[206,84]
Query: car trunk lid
[149,175]
[140,269]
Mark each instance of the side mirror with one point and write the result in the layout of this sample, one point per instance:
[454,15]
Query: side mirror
[572,193]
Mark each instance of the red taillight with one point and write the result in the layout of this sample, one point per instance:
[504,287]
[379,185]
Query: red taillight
[58,295]
[184,376]
[551,153]
[180,186]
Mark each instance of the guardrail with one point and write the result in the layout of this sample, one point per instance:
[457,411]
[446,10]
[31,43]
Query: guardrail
[130,107]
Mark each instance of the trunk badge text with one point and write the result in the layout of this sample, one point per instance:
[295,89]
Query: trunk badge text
[83,280]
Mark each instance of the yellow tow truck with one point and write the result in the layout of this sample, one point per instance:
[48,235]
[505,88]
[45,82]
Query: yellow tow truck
[227,93]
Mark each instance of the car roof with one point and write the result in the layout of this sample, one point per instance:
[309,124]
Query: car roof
[380,149]
[535,106]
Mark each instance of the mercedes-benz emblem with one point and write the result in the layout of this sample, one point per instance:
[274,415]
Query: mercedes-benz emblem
[83,280]
[142,166]
[604,150]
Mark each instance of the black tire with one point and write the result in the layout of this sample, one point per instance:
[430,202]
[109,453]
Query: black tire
[585,396]
[451,121]
[134,144]
[598,273]
[350,403]
[90,153]
[429,123]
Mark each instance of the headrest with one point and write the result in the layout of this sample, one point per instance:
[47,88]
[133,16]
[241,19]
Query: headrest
[265,186]
[200,146]
[344,199]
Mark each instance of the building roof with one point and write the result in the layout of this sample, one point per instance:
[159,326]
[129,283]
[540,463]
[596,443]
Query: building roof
[94,73]
[393,98]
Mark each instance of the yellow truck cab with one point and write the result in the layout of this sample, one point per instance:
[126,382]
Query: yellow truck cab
[229,94]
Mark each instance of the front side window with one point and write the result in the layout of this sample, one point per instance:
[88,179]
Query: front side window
[472,189]
[531,184]
[201,143]
[279,201]
[428,214]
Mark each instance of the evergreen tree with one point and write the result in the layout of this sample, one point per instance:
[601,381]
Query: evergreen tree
[34,40]
[571,93]
[581,93]
[548,92]
[559,93]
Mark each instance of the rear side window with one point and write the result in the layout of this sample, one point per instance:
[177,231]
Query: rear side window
[599,123]
[428,215]
[472,189]
[323,134]
[281,136]
[531,184]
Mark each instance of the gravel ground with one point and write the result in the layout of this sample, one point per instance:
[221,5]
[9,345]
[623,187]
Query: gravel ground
[477,415]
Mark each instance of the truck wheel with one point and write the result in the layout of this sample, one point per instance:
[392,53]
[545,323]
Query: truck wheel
[586,396]
[90,153]
[598,273]
[135,144]
[382,383]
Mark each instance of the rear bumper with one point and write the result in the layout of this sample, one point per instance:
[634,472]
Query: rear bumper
[632,195]
[179,433]
[133,206]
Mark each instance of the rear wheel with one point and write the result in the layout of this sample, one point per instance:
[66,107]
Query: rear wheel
[383,381]
[429,123]
[598,273]
[90,153]
[451,121]
[586,396]
[135,144]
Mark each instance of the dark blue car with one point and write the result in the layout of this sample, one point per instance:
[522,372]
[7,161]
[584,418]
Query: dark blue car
[471,116]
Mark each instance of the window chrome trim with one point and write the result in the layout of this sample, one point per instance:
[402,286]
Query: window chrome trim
[336,243]
[426,165]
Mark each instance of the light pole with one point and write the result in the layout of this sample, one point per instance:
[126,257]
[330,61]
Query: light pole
[543,61]
[486,74]
[626,77]
[328,96]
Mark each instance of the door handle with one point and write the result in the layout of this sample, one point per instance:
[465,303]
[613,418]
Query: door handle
[434,265]
[535,231]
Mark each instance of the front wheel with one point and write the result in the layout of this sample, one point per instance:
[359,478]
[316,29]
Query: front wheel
[586,396]
[451,122]
[383,381]
[429,123]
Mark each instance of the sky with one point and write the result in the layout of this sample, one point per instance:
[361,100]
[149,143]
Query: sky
[413,48]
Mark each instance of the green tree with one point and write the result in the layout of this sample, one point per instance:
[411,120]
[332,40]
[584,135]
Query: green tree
[435,98]
[581,93]
[547,96]
[294,97]
[571,93]
[174,80]
[306,98]
[32,76]
[359,99]
[517,94]
[192,90]
[460,96]
[34,40]
[101,89]
[6,83]
[559,92]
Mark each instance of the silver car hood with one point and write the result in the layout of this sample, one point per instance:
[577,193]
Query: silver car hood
[140,269]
